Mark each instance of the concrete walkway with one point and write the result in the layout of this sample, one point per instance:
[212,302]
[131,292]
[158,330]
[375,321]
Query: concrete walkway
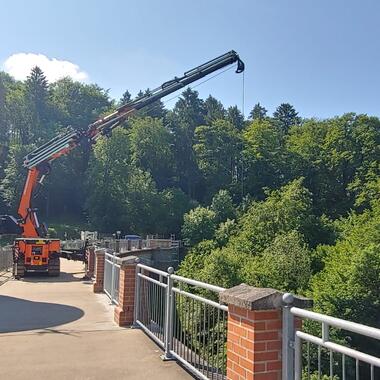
[56,328]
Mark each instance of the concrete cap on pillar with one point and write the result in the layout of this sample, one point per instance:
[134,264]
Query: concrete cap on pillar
[251,298]
[100,251]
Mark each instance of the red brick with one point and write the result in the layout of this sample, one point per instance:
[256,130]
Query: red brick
[268,376]
[274,325]
[233,337]
[252,325]
[246,364]
[234,318]
[259,367]
[231,375]
[238,311]
[238,330]
[247,343]
[259,346]
[265,356]
[233,357]
[239,370]
[274,365]
[274,345]
[264,315]
[240,350]
[266,335]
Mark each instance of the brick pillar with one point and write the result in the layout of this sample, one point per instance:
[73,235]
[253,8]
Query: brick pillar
[123,314]
[90,262]
[99,271]
[254,332]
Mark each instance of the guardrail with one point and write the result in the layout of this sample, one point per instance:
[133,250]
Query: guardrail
[111,277]
[318,356]
[6,258]
[181,316]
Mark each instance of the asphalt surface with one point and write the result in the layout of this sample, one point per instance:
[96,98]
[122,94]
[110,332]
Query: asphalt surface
[57,328]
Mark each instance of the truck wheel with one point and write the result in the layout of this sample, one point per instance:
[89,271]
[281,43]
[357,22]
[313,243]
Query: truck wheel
[19,269]
[54,267]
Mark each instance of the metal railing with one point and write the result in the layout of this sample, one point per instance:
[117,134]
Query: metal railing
[310,356]
[111,277]
[6,259]
[182,317]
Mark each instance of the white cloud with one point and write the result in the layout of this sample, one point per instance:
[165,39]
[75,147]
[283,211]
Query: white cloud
[19,65]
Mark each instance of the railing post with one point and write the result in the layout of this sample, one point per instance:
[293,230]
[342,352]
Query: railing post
[137,295]
[99,271]
[168,317]
[288,338]
[125,310]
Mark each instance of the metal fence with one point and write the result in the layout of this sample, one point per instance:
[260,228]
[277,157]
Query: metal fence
[309,355]
[182,316]
[6,258]
[111,276]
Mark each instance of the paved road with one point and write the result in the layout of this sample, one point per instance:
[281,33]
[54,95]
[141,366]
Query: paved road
[56,328]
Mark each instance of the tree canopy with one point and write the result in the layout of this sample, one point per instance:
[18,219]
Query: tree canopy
[274,200]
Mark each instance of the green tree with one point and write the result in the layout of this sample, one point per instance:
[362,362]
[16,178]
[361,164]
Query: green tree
[284,265]
[347,287]
[37,96]
[199,224]
[235,117]
[324,153]
[174,203]
[154,110]
[214,110]
[217,149]
[286,116]
[223,206]
[266,162]
[151,149]
[258,112]
[125,98]
[78,104]
[187,114]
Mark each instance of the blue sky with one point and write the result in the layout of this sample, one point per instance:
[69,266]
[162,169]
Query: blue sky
[322,56]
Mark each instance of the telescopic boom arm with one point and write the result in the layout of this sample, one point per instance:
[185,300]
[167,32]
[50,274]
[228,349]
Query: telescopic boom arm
[38,161]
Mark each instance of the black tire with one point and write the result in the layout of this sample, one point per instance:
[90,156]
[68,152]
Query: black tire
[54,267]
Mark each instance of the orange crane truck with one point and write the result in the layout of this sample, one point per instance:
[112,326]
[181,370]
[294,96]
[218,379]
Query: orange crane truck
[33,250]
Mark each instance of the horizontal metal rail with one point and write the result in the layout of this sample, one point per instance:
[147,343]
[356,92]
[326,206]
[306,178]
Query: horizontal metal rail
[337,322]
[200,284]
[201,299]
[153,270]
[152,280]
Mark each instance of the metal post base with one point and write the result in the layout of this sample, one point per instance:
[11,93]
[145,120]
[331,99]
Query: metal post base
[166,358]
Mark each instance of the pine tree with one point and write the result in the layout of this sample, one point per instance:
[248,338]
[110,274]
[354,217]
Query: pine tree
[155,110]
[126,97]
[37,93]
[235,117]
[286,116]
[214,110]
[258,112]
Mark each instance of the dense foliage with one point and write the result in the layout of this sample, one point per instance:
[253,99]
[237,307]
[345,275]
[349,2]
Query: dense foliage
[275,201]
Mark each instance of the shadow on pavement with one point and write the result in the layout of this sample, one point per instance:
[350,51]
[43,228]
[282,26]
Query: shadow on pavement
[17,314]
[63,277]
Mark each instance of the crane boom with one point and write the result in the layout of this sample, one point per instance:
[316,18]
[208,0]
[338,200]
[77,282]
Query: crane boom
[103,126]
